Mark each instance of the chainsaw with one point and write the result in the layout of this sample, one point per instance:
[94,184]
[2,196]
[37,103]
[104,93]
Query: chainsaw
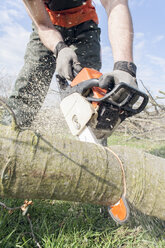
[93,115]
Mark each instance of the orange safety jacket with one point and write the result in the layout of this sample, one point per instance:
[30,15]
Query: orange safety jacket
[74,16]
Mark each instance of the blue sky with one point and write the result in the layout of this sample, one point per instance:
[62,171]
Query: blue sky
[149,51]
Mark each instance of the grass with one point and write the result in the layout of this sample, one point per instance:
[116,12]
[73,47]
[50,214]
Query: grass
[155,148]
[63,224]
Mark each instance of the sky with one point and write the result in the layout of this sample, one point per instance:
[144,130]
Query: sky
[149,39]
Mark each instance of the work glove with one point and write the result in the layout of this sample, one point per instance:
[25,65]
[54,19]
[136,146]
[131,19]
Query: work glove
[123,72]
[67,64]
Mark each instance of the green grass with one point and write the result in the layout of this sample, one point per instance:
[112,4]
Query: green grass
[63,224]
[155,148]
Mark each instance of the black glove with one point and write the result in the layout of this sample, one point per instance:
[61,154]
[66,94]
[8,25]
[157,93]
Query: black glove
[123,72]
[67,64]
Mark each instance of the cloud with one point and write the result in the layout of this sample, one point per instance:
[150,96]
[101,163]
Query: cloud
[152,76]
[139,50]
[98,2]
[137,3]
[157,61]
[107,58]
[12,47]
[158,38]
[139,35]
[11,11]
[150,67]
[13,36]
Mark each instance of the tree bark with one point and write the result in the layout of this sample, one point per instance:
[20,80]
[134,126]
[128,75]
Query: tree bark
[56,167]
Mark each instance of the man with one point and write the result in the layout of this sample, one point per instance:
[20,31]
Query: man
[66,38]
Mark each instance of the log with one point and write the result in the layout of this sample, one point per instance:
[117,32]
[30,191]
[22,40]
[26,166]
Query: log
[50,166]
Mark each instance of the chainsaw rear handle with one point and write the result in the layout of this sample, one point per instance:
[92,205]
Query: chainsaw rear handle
[82,87]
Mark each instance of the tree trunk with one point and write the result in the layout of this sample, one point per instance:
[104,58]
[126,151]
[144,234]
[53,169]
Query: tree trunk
[57,167]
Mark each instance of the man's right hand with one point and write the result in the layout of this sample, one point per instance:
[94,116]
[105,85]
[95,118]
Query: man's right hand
[124,72]
[67,63]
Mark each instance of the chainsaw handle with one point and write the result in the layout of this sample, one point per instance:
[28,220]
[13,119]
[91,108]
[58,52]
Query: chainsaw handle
[82,87]
[133,92]
[87,84]
[124,105]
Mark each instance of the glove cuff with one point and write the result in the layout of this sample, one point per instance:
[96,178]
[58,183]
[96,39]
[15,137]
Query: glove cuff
[60,45]
[129,67]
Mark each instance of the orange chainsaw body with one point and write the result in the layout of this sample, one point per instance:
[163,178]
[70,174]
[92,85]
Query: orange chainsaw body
[88,73]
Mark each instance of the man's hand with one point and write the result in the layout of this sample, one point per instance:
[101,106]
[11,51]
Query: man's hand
[122,73]
[67,64]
